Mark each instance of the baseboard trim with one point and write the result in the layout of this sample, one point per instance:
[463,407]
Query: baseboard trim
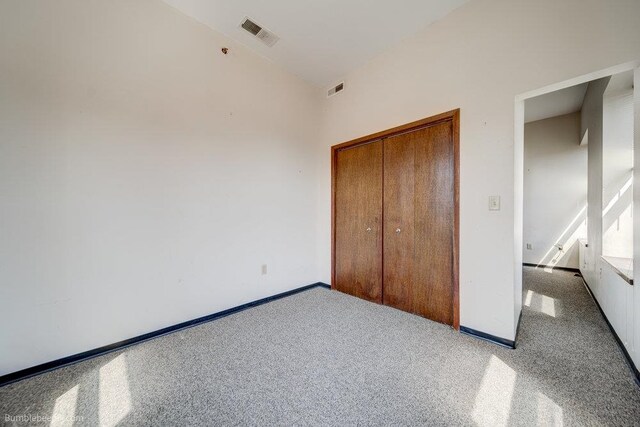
[515,341]
[503,342]
[627,357]
[573,270]
[69,360]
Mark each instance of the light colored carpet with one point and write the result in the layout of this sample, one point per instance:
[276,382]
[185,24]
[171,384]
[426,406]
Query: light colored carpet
[324,358]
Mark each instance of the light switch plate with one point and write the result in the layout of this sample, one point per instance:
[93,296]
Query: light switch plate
[494,203]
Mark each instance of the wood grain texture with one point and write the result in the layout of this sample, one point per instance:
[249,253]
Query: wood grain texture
[399,196]
[419,201]
[358,221]
[394,294]
[434,215]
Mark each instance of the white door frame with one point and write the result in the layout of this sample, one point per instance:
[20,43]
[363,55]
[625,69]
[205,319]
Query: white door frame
[518,168]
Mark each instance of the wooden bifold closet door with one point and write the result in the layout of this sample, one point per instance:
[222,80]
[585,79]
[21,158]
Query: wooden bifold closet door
[395,218]
[358,220]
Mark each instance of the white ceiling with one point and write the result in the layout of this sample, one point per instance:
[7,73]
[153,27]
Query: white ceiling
[554,104]
[320,40]
[620,83]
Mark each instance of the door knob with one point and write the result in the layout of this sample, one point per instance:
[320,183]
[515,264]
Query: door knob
[398,230]
[368,228]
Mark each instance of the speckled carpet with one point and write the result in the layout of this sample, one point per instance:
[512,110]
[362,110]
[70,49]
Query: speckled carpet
[324,358]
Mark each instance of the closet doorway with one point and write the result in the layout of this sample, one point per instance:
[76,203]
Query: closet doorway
[395,217]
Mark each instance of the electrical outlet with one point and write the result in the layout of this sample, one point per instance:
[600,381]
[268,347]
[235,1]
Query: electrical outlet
[264,269]
[494,203]
[529,247]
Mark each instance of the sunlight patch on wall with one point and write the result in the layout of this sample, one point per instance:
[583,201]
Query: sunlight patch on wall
[493,401]
[115,397]
[576,229]
[617,223]
[617,196]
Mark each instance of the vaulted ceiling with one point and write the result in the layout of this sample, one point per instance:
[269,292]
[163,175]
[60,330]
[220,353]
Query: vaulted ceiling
[320,40]
[558,103]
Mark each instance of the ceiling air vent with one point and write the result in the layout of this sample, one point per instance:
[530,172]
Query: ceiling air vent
[336,89]
[264,35]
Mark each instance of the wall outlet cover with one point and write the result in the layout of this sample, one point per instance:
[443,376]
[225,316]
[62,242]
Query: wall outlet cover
[494,203]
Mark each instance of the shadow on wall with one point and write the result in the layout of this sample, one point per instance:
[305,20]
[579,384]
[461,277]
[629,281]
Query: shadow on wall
[615,209]
[567,240]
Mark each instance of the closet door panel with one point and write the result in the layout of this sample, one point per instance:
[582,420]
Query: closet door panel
[434,223]
[358,221]
[398,236]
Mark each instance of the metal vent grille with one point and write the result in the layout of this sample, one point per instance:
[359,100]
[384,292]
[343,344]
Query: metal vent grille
[251,26]
[258,31]
[336,89]
[267,37]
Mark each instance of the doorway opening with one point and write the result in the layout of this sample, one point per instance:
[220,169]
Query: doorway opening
[575,150]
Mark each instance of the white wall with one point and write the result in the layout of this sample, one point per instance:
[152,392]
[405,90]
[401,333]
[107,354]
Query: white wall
[144,176]
[555,191]
[617,171]
[591,122]
[479,58]
[636,221]
[616,297]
